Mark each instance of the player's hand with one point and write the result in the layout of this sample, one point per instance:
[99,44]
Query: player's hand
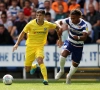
[15,47]
[59,43]
[75,37]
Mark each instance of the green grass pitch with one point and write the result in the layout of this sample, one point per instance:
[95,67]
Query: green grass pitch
[53,85]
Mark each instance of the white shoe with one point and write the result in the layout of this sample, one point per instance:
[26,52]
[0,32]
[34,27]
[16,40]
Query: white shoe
[59,74]
[68,79]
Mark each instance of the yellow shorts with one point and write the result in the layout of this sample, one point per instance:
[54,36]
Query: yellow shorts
[33,53]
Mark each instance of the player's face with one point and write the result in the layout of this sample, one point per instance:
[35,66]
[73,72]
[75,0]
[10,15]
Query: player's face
[75,19]
[39,17]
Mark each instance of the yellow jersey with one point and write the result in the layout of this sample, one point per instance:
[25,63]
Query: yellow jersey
[37,34]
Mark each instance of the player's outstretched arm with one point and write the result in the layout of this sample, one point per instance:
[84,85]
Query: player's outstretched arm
[19,40]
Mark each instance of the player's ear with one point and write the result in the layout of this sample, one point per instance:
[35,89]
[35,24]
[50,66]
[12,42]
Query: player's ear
[81,16]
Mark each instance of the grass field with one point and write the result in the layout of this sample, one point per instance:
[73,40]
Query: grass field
[53,85]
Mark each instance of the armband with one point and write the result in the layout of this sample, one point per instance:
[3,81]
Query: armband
[78,37]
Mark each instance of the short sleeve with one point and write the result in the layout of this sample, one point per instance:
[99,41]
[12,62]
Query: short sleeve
[65,21]
[89,26]
[64,35]
[62,21]
[85,28]
[26,28]
[52,25]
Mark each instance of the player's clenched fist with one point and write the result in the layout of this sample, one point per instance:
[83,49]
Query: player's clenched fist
[59,43]
[75,37]
[15,47]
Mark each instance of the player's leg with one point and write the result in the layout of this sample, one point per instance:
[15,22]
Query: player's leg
[65,52]
[73,69]
[43,70]
[29,58]
[40,56]
[76,57]
[33,68]
[62,59]
[29,68]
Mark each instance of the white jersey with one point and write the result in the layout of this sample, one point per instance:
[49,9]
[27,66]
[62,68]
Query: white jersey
[75,29]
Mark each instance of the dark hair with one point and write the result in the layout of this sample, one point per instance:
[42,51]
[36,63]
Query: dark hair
[4,13]
[47,14]
[83,16]
[40,11]
[13,0]
[1,25]
[26,1]
[3,4]
[47,1]
[76,12]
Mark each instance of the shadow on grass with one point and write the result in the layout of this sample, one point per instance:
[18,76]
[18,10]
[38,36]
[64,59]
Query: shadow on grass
[51,81]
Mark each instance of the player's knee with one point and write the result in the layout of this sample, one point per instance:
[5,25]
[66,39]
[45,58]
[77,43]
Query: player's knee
[75,64]
[27,68]
[40,60]
[65,53]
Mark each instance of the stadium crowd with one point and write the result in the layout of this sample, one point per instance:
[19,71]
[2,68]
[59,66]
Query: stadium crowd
[15,14]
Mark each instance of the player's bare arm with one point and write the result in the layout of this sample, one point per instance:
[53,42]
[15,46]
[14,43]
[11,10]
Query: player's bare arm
[81,38]
[19,40]
[59,32]
[59,23]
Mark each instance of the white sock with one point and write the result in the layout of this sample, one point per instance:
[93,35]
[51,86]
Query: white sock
[72,70]
[62,63]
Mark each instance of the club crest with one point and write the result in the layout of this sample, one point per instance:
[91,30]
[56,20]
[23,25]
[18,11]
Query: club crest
[79,26]
[45,29]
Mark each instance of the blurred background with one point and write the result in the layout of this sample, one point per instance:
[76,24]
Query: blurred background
[15,14]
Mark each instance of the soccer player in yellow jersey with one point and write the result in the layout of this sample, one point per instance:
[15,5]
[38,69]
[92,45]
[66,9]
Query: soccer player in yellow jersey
[37,31]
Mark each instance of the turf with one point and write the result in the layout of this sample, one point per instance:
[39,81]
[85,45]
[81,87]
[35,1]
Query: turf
[53,85]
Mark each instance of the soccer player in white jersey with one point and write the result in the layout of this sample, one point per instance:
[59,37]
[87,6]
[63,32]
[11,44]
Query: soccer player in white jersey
[74,44]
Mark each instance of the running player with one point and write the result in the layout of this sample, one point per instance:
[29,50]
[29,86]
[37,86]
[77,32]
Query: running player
[37,31]
[74,44]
